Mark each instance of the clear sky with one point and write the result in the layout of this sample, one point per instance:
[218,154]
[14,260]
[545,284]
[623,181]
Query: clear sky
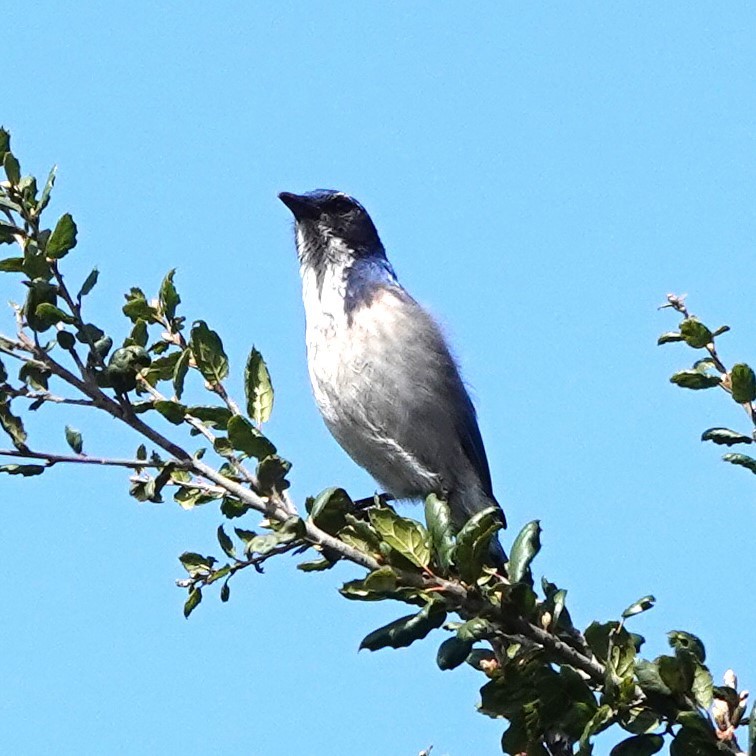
[541,175]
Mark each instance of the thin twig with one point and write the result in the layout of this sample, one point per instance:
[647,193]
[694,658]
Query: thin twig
[84,459]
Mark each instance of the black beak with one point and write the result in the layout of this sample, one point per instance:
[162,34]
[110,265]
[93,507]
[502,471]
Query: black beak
[302,206]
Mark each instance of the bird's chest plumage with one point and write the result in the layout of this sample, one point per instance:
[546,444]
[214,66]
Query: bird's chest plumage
[344,346]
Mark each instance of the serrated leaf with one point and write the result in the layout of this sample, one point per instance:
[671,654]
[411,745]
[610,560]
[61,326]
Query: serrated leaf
[246,438]
[63,238]
[695,333]
[180,371]
[453,652]
[524,549]
[725,436]
[195,596]
[641,605]
[693,379]
[73,439]
[743,383]
[173,412]
[408,537]
[703,686]
[440,530]
[258,388]
[25,470]
[405,630]
[743,460]
[638,745]
[209,356]
[168,296]
[225,542]
[89,284]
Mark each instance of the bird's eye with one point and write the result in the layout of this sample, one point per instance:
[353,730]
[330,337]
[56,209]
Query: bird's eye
[340,205]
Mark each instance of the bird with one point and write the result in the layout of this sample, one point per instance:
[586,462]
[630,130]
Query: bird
[382,373]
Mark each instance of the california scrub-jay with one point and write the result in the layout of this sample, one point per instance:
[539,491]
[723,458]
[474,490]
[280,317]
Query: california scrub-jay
[383,377]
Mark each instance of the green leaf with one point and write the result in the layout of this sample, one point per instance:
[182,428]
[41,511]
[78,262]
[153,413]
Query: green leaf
[63,238]
[639,745]
[226,543]
[271,474]
[244,437]
[603,717]
[474,542]
[408,537]
[692,644]
[139,335]
[25,470]
[66,340]
[231,508]
[725,436]
[438,520]
[180,371]
[89,284]
[476,629]
[693,379]
[703,686]
[670,337]
[641,605]
[317,565]
[12,168]
[12,265]
[73,439]
[4,372]
[49,314]
[137,307]
[752,732]
[258,388]
[214,417]
[4,142]
[676,674]
[329,509]
[207,349]
[12,425]
[141,452]
[694,742]
[173,412]
[453,652]
[743,460]
[169,298]
[196,564]
[225,591]
[695,333]
[405,630]
[524,550]
[743,383]
[195,596]
[34,376]
[44,198]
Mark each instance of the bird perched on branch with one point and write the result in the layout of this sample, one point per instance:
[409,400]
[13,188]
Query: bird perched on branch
[382,374]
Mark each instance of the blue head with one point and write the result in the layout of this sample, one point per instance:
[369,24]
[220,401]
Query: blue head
[332,227]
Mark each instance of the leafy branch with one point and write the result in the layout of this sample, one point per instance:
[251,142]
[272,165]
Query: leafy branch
[556,686]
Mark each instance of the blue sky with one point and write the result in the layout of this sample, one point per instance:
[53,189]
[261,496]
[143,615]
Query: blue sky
[541,177]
